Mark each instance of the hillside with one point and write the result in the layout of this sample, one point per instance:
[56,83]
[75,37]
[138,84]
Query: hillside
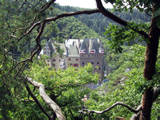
[69,28]
[85,26]
[99,23]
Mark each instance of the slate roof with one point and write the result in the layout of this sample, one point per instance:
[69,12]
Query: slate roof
[75,46]
[84,46]
[94,45]
[73,51]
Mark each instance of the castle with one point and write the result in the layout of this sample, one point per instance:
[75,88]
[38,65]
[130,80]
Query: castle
[77,52]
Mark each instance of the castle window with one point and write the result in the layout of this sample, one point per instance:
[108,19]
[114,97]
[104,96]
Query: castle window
[69,59]
[77,59]
[97,62]
[92,63]
[75,65]
[99,68]
[54,59]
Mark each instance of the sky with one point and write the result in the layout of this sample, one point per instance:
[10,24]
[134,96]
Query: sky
[80,3]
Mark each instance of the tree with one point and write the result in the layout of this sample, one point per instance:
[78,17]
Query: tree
[151,48]
[30,25]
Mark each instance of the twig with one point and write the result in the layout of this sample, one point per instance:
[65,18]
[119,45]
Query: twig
[46,6]
[22,4]
[108,109]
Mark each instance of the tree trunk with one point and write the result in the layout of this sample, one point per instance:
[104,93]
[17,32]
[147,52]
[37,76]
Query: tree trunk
[149,67]
[147,101]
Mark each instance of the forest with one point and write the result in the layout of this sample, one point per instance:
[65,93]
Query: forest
[32,90]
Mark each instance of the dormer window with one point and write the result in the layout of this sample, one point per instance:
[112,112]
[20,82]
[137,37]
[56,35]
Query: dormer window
[75,65]
[82,51]
[101,50]
[92,51]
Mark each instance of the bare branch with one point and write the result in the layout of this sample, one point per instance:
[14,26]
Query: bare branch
[61,16]
[47,99]
[22,4]
[108,14]
[32,27]
[71,14]
[117,19]
[36,50]
[46,6]
[38,45]
[108,109]
[36,100]
[33,24]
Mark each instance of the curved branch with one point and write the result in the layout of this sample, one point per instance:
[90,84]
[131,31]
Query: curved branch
[47,99]
[108,14]
[61,16]
[36,100]
[108,109]
[71,14]
[38,45]
[117,19]
[33,24]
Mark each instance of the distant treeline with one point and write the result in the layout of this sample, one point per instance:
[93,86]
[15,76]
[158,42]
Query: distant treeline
[99,23]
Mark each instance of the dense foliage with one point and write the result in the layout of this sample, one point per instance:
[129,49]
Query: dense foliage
[66,87]
[126,83]
[18,49]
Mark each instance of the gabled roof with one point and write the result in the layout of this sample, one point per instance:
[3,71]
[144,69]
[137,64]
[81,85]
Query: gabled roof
[49,45]
[75,46]
[94,45]
[83,45]
[73,50]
